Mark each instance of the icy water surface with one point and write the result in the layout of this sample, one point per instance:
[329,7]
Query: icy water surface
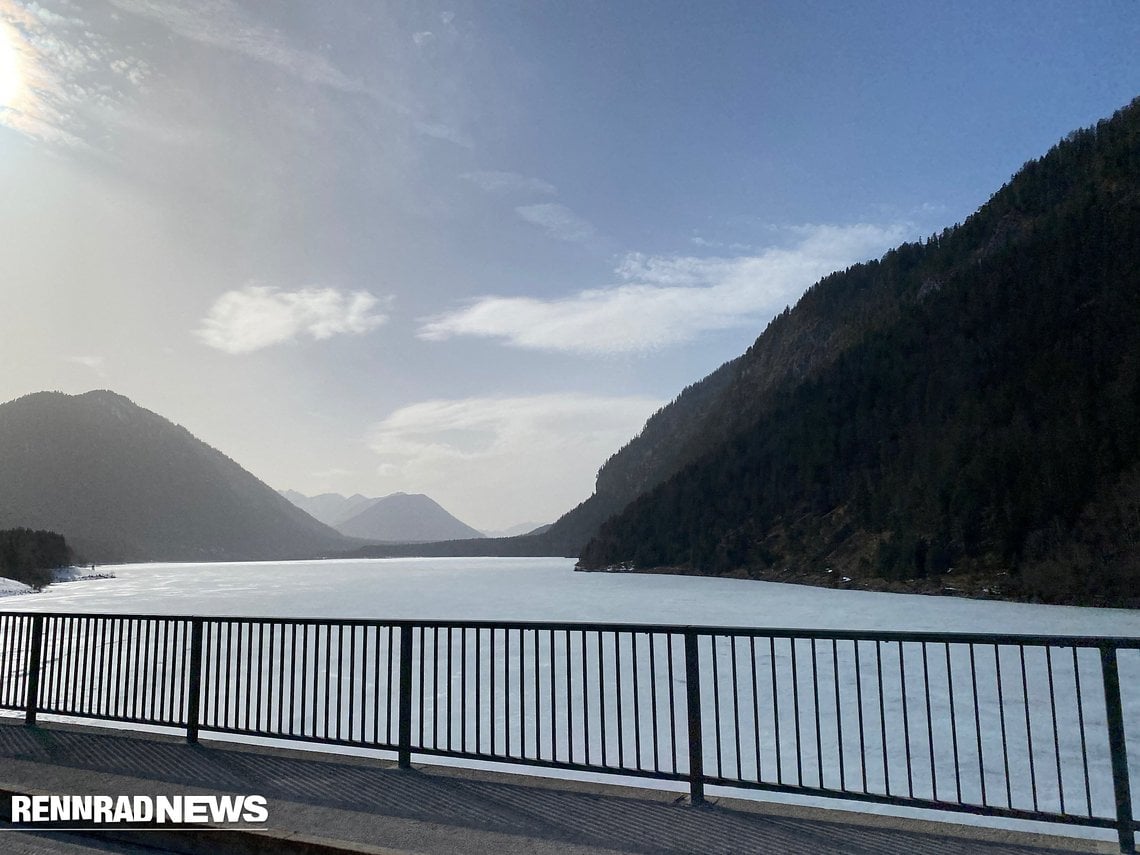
[541,589]
[974,723]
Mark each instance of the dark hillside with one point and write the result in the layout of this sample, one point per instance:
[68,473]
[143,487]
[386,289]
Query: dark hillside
[795,346]
[977,405]
[121,483]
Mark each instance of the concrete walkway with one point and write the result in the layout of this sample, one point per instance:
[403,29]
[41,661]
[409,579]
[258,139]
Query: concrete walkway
[321,803]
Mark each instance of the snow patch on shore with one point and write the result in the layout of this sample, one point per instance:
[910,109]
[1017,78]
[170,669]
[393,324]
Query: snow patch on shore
[78,574]
[10,587]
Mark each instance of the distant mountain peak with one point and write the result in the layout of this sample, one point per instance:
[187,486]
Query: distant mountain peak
[396,518]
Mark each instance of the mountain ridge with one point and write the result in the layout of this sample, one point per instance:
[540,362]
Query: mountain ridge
[395,518]
[122,483]
[941,355]
[406,518]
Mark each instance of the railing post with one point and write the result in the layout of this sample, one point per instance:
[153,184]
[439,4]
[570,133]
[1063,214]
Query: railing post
[194,689]
[693,707]
[1118,748]
[35,657]
[405,745]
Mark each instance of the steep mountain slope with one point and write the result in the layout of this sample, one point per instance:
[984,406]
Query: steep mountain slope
[832,317]
[970,402]
[406,518]
[122,483]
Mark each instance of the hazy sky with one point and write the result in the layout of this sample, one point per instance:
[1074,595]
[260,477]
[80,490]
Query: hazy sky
[466,249]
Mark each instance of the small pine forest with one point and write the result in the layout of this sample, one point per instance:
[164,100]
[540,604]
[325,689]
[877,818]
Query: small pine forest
[29,556]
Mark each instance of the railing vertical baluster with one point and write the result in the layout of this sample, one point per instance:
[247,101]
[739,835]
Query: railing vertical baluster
[1056,733]
[929,725]
[953,726]
[882,716]
[35,656]
[1028,726]
[859,708]
[1119,749]
[375,685]
[815,710]
[194,687]
[602,700]
[491,689]
[463,690]
[447,690]
[553,698]
[569,703]
[839,715]
[388,688]
[775,710]
[586,700]
[293,678]
[653,701]
[796,715]
[693,706]
[978,722]
[736,709]
[537,701]
[264,693]
[1081,730]
[405,744]
[716,705]
[328,681]
[1001,718]
[755,703]
[52,676]
[672,703]
[906,723]
[619,719]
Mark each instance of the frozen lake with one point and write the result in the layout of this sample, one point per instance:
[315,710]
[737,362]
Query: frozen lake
[1032,715]
[541,589]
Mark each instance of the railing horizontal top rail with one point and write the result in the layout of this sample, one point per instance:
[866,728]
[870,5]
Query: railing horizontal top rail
[1034,639]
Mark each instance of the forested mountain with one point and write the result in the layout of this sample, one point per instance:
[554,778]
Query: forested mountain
[832,317]
[969,402]
[122,483]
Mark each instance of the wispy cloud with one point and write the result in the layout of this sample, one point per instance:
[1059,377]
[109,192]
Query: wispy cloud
[473,454]
[666,300]
[445,132]
[509,183]
[79,78]
[95,363]
[65,76]
[259,316]
[222,24]
[558,221]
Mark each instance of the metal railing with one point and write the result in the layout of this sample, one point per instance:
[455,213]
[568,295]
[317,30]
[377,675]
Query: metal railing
[1029,727]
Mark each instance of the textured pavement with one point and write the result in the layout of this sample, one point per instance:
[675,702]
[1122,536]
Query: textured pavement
[325,803]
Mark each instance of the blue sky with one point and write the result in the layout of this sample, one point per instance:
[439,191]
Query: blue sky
[466,249]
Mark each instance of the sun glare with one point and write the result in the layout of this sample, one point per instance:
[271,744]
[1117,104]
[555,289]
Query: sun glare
[9,68]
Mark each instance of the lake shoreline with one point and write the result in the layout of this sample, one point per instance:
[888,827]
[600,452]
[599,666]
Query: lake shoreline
[974,586]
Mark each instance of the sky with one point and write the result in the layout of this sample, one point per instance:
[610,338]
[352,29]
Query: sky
[466,249]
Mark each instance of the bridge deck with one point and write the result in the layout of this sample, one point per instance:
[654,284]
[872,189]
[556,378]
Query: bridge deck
[327,803]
